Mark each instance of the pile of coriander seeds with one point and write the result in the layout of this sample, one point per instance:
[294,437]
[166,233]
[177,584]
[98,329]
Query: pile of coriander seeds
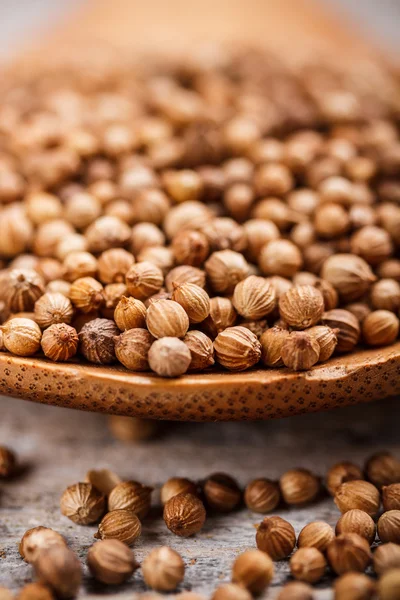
[225,207]
[366,537]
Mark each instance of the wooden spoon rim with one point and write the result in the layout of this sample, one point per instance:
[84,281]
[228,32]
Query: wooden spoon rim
[365,375]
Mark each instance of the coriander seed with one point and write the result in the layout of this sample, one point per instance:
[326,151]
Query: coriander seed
[272,342]
[237,348]
[185,274]
[121,525]
[8,462]
[33,591]
[389,585]
[169,356]
[190,248]
[130,313]
[51,309]
[326,338]
[231,591]
[357,521]
[97,341]
[348,552]
[350,275]
[391,496]
[132,349]
[347,326]
[300,351]
[82,503]
[37,539]
[22,288]
[262,495]
[383,469]
[184,514]
[111,562]
[86,294]
[301,306]
[253,570]
[175,486]
[131,495]
[317,534]
[166,318]
[201,350]
[276,537]
[354,586]
[60,342]
[103,480]
[21,336]
[222,492]
[222,315]
[163,569]
[114,264]
[60,569]
[254,297]
[143,280]
[296,590]
[308,564]
[386,557]
[389,526]
[193,299]
[299,486]
[225,269]
[280,257]
[340,473]
[358,494]
[380,328]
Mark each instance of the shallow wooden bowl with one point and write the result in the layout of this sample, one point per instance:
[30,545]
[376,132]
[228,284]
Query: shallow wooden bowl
[364,376]
[258,394]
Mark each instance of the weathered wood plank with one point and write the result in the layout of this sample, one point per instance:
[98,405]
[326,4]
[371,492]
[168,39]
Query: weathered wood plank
[58,447]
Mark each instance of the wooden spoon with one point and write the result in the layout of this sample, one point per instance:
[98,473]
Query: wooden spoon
[290,25]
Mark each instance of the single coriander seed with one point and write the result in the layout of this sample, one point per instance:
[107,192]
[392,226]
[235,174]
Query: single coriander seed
[60,342]
[111,562]
[340,473]
[316,534]
[131,495]
[82,503]
[308,564]
[8,462]
[132,349]
[391,496]
[354,586]
[389,526]
[121,525]
[175,486]
[60,569]
[276,537]
[254,570]
[262,495]
[386,557]
[222,492]
[166,318]
[237,348]
[163,569]
[184,514]
[357,521]
[37,539]
[358,494]
[383,469]
[130,313]
[349,552]
[169,357]
[300,351]
[299,486]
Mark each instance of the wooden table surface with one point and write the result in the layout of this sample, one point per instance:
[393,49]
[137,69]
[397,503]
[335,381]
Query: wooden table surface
[58,446]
